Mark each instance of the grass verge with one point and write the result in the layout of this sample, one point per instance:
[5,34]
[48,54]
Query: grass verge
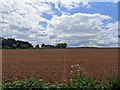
[78,82]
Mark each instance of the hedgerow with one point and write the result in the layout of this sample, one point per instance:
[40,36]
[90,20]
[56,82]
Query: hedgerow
[78,82]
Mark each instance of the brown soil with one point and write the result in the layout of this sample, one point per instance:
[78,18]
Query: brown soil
[58,64]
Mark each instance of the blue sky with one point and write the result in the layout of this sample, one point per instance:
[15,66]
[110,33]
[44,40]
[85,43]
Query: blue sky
[76,22]
[105,8]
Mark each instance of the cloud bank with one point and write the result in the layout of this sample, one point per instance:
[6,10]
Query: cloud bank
[23,20]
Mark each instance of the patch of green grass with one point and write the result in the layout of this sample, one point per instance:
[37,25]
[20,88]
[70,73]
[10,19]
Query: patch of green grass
[78,82]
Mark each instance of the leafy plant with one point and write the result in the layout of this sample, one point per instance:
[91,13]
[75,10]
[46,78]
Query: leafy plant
[114,81]
[78,82]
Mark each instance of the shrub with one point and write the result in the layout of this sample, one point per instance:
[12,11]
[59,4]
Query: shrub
[82,82]
[27,84]
[78,82]
[114,82]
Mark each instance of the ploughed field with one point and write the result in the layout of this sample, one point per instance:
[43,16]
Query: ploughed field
[58,64]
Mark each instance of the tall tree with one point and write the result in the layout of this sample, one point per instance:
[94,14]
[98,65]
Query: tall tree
[61,45]
[11,43]
[42,45]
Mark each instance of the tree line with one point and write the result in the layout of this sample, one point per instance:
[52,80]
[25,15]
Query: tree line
[58,45]
[11,43]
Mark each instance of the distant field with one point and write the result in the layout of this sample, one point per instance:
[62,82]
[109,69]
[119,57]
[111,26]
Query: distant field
[59,64]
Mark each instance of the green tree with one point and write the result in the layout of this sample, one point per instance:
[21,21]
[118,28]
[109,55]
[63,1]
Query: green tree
[42,45]
[24,46]
[11,43]
[37,46]
[61,45]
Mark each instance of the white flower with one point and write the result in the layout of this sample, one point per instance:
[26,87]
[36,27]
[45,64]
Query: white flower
[75,65]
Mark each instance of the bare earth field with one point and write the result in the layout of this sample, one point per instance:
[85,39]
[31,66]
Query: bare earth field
[58,64]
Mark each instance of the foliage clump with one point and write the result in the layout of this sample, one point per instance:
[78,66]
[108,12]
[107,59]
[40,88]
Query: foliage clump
[78,82]
[11,43]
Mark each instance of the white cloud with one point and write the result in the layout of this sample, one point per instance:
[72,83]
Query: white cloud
[20,19]
[83,29]
[114,1]
[72,24]
[70,4]
[112,28]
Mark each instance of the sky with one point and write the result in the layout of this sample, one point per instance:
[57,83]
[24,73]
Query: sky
[79,23]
